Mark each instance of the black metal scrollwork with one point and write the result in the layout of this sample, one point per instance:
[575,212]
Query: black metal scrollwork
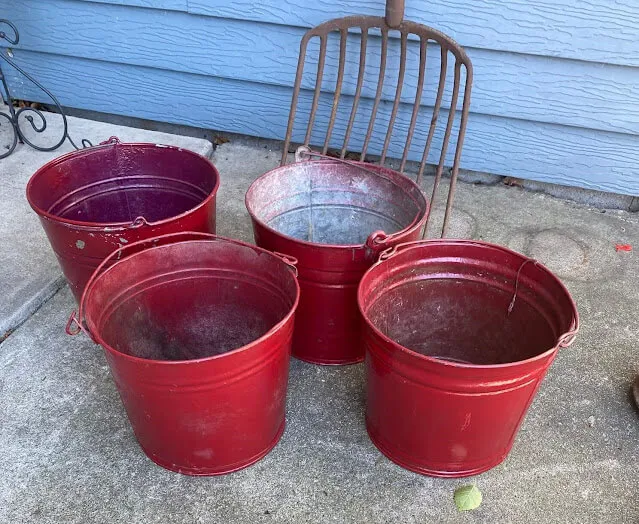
[31,116]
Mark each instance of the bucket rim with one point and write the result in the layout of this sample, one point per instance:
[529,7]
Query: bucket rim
[460,365]
[116,226]
[98,338]
[418,221]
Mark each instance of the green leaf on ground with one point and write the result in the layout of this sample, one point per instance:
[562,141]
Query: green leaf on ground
[467,498]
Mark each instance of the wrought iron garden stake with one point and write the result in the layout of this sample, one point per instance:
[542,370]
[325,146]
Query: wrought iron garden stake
[30,113]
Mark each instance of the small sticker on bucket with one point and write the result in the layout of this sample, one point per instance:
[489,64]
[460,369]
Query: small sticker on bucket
[79,244]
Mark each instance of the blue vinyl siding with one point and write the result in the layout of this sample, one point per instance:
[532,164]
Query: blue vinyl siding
[555,97]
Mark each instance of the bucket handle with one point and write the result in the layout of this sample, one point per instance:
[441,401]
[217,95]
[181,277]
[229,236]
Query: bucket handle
[74,327]
[305,152]
[377,240]
[76,324]
[569,337]
[110,140]
[289,260]
[398,248]
[564,341]
[139,221]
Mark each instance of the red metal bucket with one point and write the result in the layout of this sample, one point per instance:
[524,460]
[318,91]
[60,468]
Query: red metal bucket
[197,332]
[459,335]
[334,218]
[92,201]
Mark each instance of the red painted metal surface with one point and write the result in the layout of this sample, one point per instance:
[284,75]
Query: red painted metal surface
[459,335]
[197,332]
[330,217]
[92,201]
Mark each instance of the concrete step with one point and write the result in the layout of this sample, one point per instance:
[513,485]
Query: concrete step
[68,454]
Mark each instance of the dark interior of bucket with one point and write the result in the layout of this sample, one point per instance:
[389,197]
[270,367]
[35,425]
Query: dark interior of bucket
[120,183]
[465,321]
[189,300]
[193,318]
[335,203]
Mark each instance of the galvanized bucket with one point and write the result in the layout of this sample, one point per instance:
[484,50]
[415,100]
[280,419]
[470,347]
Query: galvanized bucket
[92,201]
[459,335]
[197,332]
[334,217]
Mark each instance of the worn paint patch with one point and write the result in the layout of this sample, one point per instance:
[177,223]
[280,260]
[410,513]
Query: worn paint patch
[79,244]
[124,240]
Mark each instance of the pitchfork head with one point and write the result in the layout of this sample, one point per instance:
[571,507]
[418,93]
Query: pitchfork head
[383,47]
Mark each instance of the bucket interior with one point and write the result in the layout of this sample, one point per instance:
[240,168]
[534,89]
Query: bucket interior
[189,300]
[119,183]
[456,307]
[325,202]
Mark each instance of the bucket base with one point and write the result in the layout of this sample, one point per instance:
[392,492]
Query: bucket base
[406,463]
[321,362]
[210,472]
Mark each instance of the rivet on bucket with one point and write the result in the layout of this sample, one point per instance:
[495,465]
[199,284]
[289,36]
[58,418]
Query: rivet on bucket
[459,335]
[197,332]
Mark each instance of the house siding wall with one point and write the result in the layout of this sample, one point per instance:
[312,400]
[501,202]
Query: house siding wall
[555,96]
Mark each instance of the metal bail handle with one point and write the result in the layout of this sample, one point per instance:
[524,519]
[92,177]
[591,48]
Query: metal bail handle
[289,260]
[398,248]
[111,140]
[568,338]
[138,222]
[77,318]
[301,152]
[377,240]
[304,153]
[564,341]
[73,321]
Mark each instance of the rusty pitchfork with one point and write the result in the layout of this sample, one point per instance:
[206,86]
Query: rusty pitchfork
[378,28]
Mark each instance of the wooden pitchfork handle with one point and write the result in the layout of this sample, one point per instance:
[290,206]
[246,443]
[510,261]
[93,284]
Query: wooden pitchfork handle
[394,13]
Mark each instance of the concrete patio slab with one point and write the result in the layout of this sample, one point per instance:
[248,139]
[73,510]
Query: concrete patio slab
[68,454]
[30,272]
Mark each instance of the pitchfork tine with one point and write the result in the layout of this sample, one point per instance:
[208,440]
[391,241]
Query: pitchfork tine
[296,94]
[378,94]
[358,89]
[398,95]
[438,103]
[458,147]
[449,126]
[423,47]
[338,88]
[318,89]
